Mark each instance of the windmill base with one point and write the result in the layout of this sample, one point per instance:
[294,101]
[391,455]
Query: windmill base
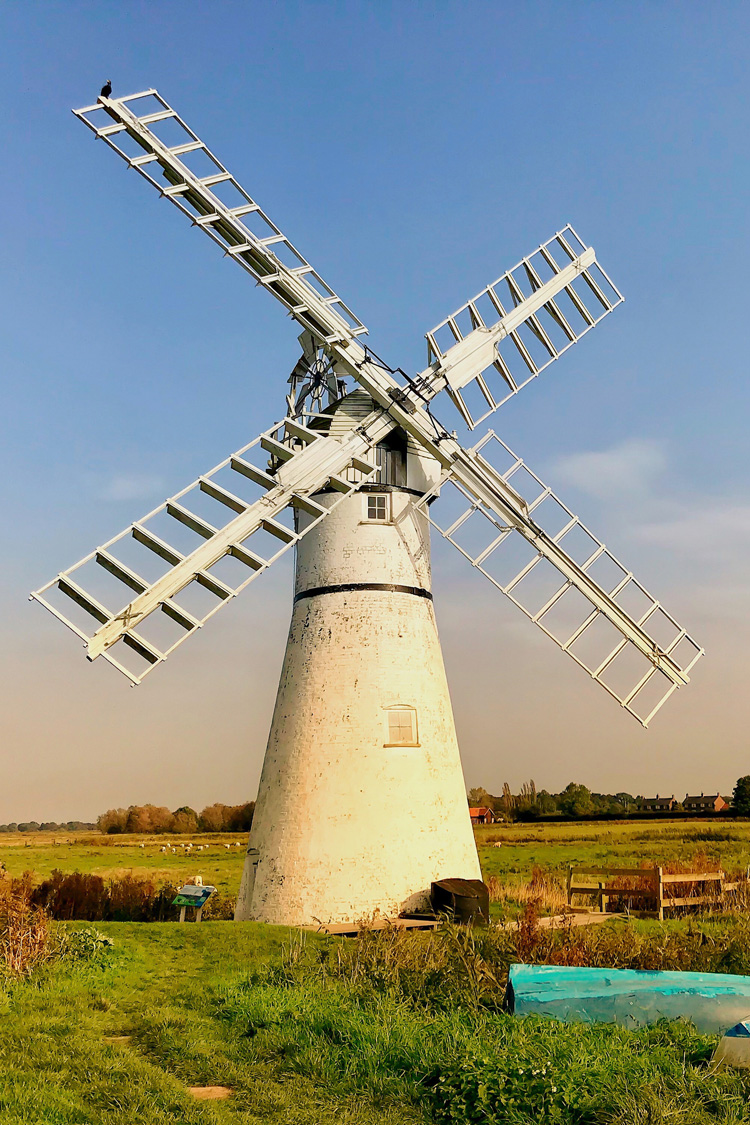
[362,803]
[348,828]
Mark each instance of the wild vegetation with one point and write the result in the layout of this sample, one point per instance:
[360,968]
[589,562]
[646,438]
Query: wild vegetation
[29,941]
[513,855]
[388,1028]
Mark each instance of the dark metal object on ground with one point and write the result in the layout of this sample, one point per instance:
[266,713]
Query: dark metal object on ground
[463,900]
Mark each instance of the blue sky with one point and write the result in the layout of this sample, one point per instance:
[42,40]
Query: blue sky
[413,152]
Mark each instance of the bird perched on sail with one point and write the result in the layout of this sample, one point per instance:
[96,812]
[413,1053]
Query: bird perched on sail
[106,90]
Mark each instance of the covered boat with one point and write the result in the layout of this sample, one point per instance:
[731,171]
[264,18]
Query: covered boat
[630,997]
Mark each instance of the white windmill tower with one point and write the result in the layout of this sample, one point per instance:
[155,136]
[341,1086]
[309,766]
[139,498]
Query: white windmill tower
[352,481]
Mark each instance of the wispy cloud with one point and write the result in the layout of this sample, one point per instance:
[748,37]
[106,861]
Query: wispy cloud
[626,469]
[712,530]
[130,486]
[701,539]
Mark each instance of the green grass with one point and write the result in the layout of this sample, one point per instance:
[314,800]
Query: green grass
[161,985]
[328,1036]
[42,852]
[523,846]
[619,843]
[311,1039]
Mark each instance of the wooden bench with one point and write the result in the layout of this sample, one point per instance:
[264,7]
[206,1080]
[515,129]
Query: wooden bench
[595,881]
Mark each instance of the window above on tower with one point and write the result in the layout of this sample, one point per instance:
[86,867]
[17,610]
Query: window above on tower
[378,506]
[402,726]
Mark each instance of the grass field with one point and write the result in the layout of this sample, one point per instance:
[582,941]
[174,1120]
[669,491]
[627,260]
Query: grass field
[522,847]
[614,843]
[42,852]
[120,1042]
[307,1030]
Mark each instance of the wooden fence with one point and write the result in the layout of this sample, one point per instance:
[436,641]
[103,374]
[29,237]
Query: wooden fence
[596,882]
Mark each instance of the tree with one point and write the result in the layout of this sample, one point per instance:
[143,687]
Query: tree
[546,802]
[213,818]
[741,796]
[149,818]
[185,820]
[508,802]
[575,800]
[240,817]
[480,798]
[112,821]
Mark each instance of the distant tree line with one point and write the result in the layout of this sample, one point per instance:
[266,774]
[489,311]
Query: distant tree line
[48,826]
[574,800]
[156,820]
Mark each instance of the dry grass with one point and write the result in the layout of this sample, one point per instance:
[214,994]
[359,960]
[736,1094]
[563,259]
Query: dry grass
[26,940]
[546,893]
[543,889]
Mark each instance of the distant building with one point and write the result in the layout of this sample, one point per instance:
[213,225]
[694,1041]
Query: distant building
[659,804]
[706,802]
[482,815]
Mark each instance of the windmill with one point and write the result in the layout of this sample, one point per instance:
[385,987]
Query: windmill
[353,478]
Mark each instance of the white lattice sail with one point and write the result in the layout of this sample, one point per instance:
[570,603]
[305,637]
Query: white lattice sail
[510,332]
[199,549]
[585,606]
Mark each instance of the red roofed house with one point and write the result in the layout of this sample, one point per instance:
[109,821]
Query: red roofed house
[482,815]
[707,802]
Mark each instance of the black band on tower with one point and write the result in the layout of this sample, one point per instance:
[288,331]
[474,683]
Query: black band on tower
[417,591]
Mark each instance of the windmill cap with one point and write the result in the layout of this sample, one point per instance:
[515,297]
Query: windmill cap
[740,1030]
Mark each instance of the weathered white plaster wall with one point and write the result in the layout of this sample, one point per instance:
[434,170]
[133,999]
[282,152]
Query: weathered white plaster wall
[347,826]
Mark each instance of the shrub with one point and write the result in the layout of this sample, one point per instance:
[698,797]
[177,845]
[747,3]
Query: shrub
[25,937]
[28,940]
[488,1091]
[79,897]
[89,898]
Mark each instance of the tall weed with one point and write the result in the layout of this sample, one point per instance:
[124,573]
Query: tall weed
[28,938]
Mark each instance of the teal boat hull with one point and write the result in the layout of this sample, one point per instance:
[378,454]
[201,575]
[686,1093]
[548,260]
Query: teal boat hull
[629,997]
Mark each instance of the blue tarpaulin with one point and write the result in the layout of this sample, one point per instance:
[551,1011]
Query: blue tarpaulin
[631,997]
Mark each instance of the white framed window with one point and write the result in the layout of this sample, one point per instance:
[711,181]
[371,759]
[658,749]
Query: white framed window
[378,507]
[401,726]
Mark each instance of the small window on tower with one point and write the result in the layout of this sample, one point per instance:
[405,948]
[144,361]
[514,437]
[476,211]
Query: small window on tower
[377,506]
[402,726]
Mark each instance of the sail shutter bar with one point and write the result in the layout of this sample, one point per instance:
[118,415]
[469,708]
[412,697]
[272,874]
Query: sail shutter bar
[124,626]
[297,285]
[640,686]
[528,348]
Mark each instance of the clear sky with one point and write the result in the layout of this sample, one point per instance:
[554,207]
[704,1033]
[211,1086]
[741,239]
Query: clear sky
[413,152]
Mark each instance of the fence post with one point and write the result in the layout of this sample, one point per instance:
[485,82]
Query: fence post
[660,893]
[570,880]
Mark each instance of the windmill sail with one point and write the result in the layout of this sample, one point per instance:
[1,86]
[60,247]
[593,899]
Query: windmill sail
[490,348]
[510,332]
[165,151]
[155,584]
[537,552]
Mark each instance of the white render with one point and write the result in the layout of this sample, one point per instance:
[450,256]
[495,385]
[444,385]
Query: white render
[348,826]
